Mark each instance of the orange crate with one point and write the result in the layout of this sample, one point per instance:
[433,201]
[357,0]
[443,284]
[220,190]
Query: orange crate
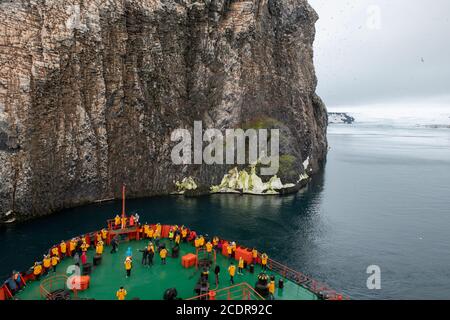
[245,253]
[189,260]
[83,282]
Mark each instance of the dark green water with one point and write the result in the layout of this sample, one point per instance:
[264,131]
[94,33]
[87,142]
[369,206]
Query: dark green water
[383,199]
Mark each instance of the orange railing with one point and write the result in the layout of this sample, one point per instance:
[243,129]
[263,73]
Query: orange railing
[5,293]
[318,288]
[51,284]
[241,291]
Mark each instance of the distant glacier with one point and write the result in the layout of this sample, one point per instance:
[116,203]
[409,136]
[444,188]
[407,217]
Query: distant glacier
[418,114]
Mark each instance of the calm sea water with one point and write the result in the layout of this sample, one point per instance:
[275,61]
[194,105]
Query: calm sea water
[383,199]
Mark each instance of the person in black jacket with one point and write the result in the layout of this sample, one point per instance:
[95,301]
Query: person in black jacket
[217,272]
[114,244]
[144,255]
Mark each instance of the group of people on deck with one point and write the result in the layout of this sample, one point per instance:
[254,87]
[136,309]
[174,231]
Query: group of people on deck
[76,248]
[122,222]
[176,235]
[231,251]
[148,252]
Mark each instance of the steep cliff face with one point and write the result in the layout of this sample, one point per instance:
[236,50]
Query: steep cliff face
[90,92]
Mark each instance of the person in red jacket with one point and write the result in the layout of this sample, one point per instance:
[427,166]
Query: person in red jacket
[83,258]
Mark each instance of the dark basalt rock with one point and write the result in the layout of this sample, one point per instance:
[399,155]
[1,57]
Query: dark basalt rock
[293,189]
[199,192]
[91,91]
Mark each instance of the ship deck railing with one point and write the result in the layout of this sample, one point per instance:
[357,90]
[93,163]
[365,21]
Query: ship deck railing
[317,287]
[241,291]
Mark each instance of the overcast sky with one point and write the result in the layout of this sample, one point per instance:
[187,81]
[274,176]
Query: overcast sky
[382,51]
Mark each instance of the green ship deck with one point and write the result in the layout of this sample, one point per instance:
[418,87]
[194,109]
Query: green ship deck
[150,282]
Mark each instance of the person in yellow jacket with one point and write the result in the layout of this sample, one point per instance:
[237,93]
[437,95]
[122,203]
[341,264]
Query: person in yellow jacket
[146,229]
[84,246]
[241,265]
[171,234]
[254,255]
[151,232]
[55,251]
[63,248]
[177,239]
[163,255]
[158,230]
[123,222]
[184,232]
[232,272]
[54,261]
[37,270]
[229,251]
[98,237]
[121,294]
[202,241]
[117,222]
[264,259]
[128,265]
[99,248]
[104,234]
[46,263]
[197,243]
[271,287]
[72,246]
[209,248]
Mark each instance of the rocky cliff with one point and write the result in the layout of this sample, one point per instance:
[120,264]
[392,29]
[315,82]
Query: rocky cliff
[90,92]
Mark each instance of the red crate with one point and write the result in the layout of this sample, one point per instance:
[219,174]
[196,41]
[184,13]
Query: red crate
[82,281]
[189,260]
[245,253]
